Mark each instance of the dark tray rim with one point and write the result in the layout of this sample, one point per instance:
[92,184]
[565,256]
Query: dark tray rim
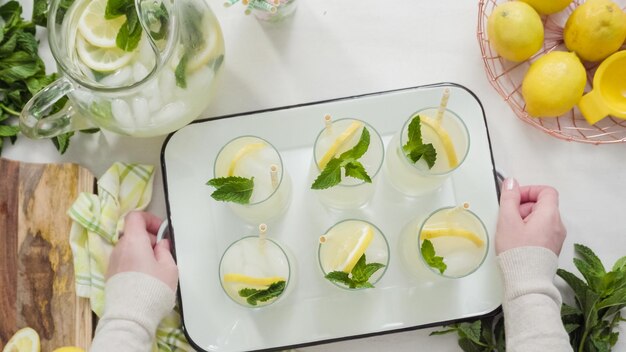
[497,178]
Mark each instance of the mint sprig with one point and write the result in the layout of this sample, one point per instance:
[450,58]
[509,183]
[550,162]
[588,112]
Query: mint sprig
[232,189]
[415,149]
[434,261]
[358,277]
[331,175]
[129,35]
[253,296]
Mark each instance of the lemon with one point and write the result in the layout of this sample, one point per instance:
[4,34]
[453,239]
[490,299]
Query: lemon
[595,30]
[24,340]
[548,7]
[211,48]
[251,280]
[340,141]
[101,59]
[69,349]
[97,30]
[349,247]
[515,30]
[243,152]
[553,84]
[448,146]
[430,233]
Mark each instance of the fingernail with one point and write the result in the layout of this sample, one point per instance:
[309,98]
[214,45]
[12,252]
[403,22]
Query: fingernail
[509,183]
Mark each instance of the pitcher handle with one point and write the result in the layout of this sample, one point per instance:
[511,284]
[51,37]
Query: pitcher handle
[35,121]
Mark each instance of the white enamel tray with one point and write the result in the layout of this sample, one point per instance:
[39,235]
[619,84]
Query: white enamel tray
[314,310]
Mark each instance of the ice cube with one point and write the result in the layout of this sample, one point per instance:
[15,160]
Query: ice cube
[170,112]
[167,84]
[122,113]
[119,78]
[139,72]
[141,112]
[146,54]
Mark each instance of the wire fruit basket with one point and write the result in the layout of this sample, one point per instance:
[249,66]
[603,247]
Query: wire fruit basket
[506,77]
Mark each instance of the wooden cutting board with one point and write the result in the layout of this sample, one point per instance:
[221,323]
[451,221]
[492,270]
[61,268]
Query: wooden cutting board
[36,270]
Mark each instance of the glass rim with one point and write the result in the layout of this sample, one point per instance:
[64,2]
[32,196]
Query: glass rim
[382,146]
[219,271]
[429,173]
[280,158]
[487,242]
[319,260]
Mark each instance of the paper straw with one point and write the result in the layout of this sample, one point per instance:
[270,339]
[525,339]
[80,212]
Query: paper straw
[229,3]
[443,104]
[262,5]
[328,122]
[274,175]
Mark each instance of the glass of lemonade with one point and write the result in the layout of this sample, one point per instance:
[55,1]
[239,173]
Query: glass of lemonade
[144,69]
[255,158]
[336,138]
[272,10]
[452,242]
[255,271]
[450,138]
[351,247]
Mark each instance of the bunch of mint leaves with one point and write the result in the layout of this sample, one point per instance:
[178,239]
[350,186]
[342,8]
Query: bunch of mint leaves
[415,149]
[592,322]
[232,189]
[434,261]
[359,276]
[22,72]
[253,296]
[349,161]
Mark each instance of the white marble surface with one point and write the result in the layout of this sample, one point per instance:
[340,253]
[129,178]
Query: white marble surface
[332,49]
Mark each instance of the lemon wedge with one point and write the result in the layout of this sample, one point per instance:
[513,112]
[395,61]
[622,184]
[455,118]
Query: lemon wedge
[210,49]
[245,150]
[351,248]
[341,140]
[251,280]
[101,59]
[24,340]
[97,30]
[430,233]
[453,160]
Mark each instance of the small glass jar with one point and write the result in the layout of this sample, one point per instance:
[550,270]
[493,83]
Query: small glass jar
[273,11]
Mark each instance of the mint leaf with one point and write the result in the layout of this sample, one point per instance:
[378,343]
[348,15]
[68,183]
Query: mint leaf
[254,296]
[415,149]
[358,277]
[331,175]
[130,33]
[117,8]
[428,253]
[180,72]
[589,257]
[232,189]
[620,264]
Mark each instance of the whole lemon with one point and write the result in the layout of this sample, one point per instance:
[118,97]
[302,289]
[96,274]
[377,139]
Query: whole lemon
[69,349]
[595,30]
[553,84]
[515,30]
[548,7]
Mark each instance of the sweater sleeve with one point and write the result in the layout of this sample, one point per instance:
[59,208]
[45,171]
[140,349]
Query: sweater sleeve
[135,303]
[532,303]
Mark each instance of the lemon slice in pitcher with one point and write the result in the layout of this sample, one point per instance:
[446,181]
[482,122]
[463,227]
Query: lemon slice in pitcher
[24,340]
[101,59]
[95,28]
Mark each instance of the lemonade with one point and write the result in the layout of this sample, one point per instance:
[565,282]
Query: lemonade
[336,138]
[150,81]
[255,158]
[254,271]
[352,244]
[451,242]
[450,139]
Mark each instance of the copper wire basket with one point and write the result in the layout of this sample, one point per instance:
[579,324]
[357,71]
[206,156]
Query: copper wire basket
[506,77]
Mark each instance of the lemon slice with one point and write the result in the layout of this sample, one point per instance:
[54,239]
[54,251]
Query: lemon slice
[245,150]
[251,280]
[97,30]
[209,50]
[343,137]
[354,245]
[101,59]
[69,349]
[430,233]
[24,340]
[453,161]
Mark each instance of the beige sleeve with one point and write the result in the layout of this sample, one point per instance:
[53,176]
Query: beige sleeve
[135,303]
[532,303]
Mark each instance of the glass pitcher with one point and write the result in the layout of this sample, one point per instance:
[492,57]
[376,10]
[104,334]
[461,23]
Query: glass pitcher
[136,67]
